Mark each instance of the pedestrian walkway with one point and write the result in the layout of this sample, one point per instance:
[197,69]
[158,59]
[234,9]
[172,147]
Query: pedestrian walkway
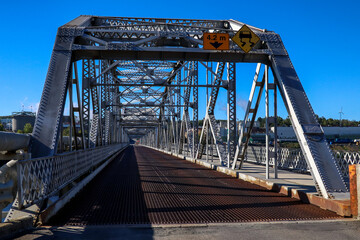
[290,183]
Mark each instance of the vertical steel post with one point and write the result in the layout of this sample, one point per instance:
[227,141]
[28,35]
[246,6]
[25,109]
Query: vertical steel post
[61,140]
[207,100]
[158,132]
[212,149]
[267,120]
[79,108]
[91,73]
[275,133]
[70,112]
[104,99]
[195,107]
[86,78]
[245,130]
[231,112]
[178,112]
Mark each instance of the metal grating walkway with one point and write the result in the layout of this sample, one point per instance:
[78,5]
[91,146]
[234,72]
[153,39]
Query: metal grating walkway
[143,186]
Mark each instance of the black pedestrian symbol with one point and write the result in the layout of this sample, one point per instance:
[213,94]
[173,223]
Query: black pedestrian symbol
[246,35]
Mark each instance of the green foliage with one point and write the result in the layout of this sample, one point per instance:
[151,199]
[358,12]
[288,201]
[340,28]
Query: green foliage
[261,121]
[66,131]
[2,128]
[201,122]
[283,122]
[330,122]
[280,122]
[20,131]
[28,128]
[290,145]
[345,147]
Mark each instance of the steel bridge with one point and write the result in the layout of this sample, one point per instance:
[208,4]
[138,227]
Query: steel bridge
[144,79]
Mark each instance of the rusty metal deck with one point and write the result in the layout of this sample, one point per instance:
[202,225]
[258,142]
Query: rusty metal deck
[144,186]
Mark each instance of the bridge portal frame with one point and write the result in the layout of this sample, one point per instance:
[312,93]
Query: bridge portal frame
[113,39]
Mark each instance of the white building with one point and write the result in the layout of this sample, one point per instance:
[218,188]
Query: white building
[287,133]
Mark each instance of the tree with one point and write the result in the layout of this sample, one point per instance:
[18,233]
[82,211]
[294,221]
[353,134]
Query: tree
[323,121]
[201,122]
[2,128]
[20,131]
[66,131]
[261,121]
[28,128]
[287,122]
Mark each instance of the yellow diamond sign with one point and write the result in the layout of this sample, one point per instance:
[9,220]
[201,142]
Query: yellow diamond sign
[245,38]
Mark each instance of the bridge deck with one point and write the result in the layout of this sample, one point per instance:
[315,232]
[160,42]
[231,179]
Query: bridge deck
[144,186]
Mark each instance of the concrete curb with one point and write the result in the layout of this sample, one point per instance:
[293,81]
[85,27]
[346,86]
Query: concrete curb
[341,207]
[9,229]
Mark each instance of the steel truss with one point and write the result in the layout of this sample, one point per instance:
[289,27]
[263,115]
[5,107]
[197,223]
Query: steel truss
[140,78]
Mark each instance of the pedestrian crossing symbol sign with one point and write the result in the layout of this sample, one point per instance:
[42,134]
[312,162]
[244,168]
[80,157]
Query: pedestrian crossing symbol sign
[245,38]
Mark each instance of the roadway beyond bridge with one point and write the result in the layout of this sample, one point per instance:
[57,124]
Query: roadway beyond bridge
[144,186]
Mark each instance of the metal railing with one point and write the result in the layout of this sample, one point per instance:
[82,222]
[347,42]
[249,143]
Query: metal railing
[40,178]
[345,159]
[295,160]
[287,158]
[291,159]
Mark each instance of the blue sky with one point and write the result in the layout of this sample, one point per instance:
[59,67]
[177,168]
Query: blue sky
[320,36]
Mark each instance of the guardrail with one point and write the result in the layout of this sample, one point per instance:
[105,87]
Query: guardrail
[345,159]
[40,178]
[295,160]
[288,158]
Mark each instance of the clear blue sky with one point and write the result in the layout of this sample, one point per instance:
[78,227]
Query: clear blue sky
[320,36]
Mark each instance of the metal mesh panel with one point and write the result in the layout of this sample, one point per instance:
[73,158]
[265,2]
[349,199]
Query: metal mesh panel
[294,159]
[39,178]
[344,159]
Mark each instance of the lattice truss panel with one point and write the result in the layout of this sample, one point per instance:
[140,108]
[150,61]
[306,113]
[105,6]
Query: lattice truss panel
[43,177]
[148,79]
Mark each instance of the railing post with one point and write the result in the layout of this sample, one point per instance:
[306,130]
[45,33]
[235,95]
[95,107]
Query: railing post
[354,179]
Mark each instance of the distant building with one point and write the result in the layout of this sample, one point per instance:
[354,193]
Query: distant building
[6,121]
[224,130]
[241,123]
[19,119]
[331,133]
